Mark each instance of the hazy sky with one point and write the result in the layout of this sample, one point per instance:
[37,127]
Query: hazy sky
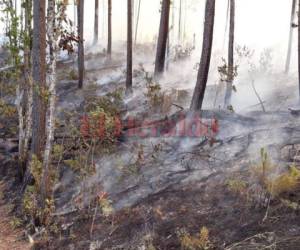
[259,23]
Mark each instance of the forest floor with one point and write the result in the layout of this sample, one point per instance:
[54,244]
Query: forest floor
[11,238]
[186,194]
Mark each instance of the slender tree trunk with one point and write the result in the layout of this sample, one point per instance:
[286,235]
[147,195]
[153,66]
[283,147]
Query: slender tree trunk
[103,18]
[109,35]
[185,21]
[39,77]
[80,19]
[226,23]
[168,53]
[50,9]
[137,21]
[230,55]
[20,93]
[96,22]
[162,38]
[299,46]
[179,21]
[20,101]
[289,52]
[50,120]
[28,82]
[173,21]
[129,47]
[203,71]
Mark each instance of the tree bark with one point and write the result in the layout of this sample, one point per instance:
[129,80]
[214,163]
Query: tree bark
[96,22]
[137,21]
[203,71]
[299,47]
[289,52]
[109,35]
[50,119]
[179,21]
[230,55]
[129,47]
[39,77]
[162,38]
[26,90]
[80,18]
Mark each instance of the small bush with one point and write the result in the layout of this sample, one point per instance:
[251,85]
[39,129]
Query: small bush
[237,186]
[73,75]
[286,182]
[7,110]
[198,242]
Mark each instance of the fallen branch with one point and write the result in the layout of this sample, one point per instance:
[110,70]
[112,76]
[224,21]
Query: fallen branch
[258,97]
[177,106]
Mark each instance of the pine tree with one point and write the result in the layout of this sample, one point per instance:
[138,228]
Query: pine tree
[80,18]
[289,52]
[203,71]
[137,21]
[162,38]
[39,77]
[96,22]
[230,72]
[129,47]
[109,32]
[299,46]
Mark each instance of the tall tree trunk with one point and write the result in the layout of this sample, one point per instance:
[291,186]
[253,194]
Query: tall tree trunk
[203,71]
[109,7]
[50,119]
[103,18]
[226,22]
[20,101]
[162,38]
[289,52]
[96,22]
[129,47]
[230,55]
[80,19]
[23,151]
[137,21]
[179,21]
[173,22]
[185,21]
[39,77]
[299,46]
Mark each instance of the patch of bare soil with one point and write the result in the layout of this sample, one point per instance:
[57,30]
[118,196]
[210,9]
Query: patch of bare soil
[11,238]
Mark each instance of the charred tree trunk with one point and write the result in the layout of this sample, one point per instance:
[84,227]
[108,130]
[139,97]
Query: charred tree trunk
[109,35]
[289,52]
[39,77]
[129,47]
[203,71]
[162,38]
[80,18]
[96,22]
[230,73]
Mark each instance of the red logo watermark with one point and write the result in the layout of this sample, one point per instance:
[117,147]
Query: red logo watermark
[182,125]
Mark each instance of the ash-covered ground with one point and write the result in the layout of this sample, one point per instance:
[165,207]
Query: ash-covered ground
[174,174]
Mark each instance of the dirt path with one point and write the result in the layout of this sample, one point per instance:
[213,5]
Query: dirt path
[10,238]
